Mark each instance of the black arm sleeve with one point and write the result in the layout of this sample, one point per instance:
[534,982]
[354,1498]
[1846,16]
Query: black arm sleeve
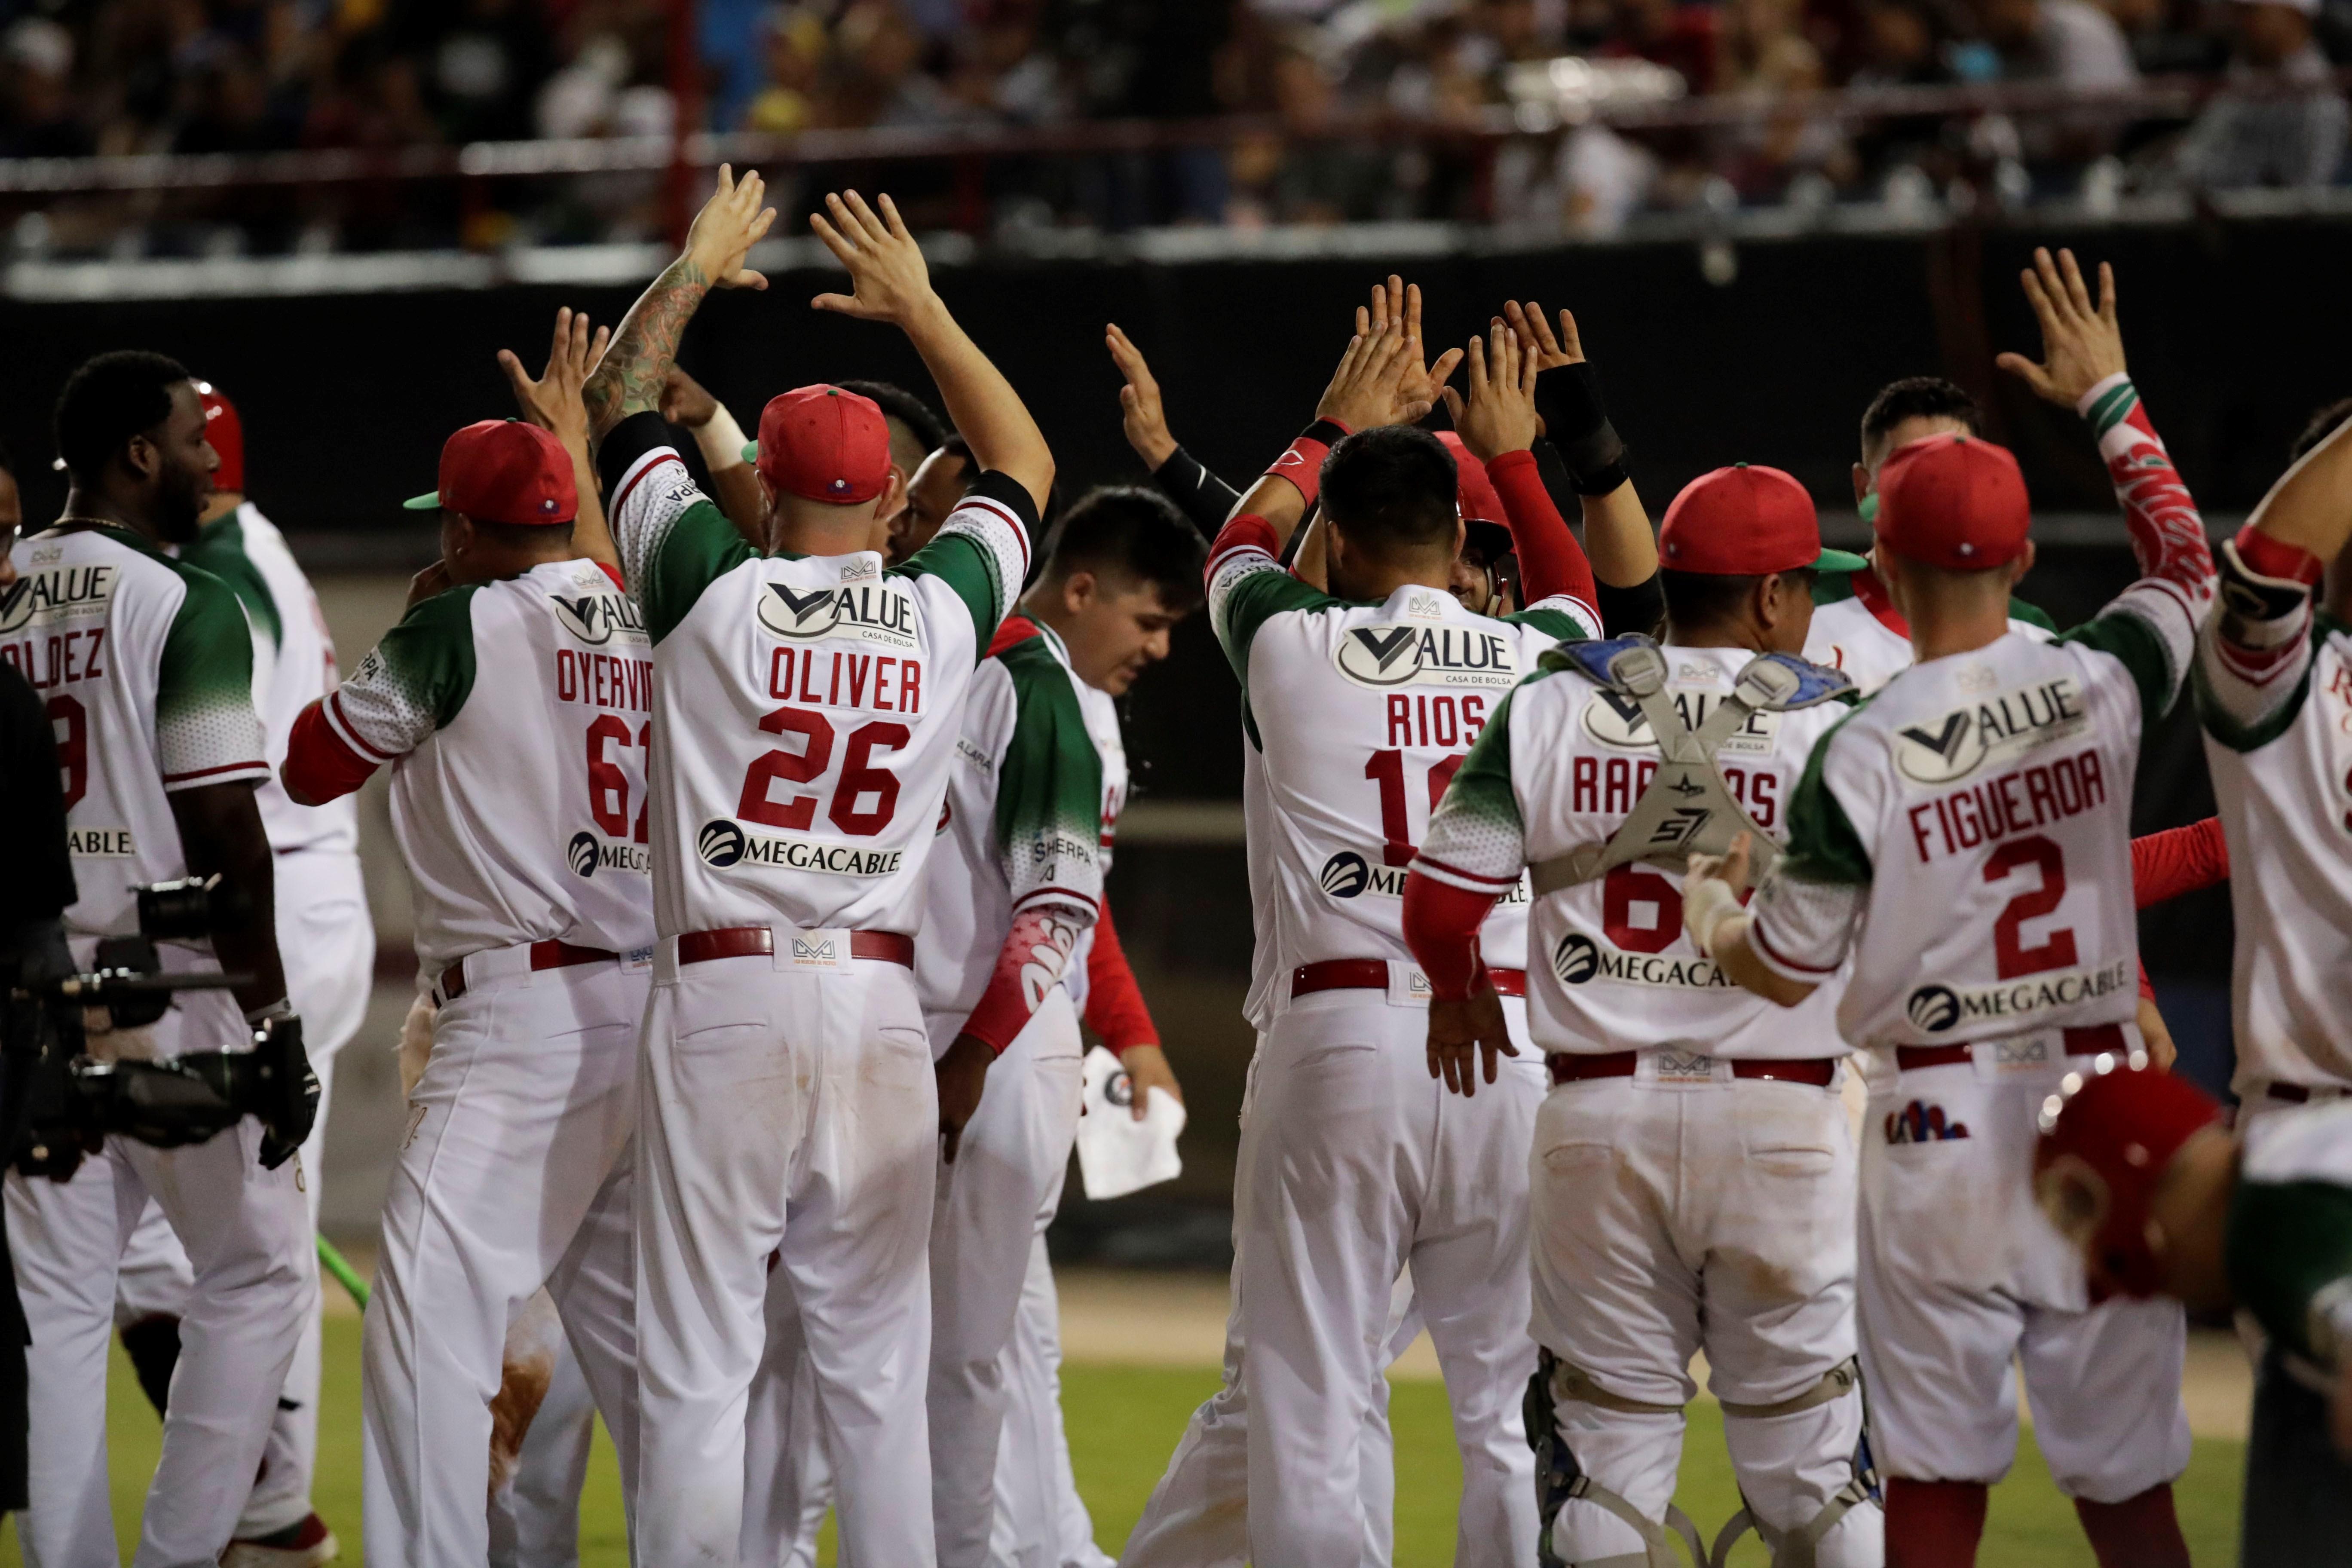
[625,444]
[40,886]
[1202,496]
[1640,608]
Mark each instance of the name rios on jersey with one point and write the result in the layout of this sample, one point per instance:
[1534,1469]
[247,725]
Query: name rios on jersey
[1937,1008]
[724,843]
[55,622]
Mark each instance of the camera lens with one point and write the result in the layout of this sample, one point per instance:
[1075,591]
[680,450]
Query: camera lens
[177,910]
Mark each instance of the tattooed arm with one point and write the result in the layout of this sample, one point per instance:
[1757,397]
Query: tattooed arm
[630,379]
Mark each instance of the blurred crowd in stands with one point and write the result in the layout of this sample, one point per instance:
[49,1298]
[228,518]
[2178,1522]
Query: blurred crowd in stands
[1364,109]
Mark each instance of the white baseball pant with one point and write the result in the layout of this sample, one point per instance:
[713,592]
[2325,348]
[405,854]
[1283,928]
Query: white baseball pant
[1669,1218]
[535,1482]
[250,1294]
[1033,1461]
[1363,1166]
[327,945]
[794,1111]
[515,1173]
[1944,1307]
[1198,1515]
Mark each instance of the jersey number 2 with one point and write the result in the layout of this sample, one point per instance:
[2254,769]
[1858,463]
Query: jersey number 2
[2009,952]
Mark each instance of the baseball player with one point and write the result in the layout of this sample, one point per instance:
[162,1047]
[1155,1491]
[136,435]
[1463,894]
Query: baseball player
[1363,705]
[2135,1168]
[145,667]
[2274,682]
[1963,840]
[1856,627]
[1692,1183]
[514,703]
[327,945]
[811,702]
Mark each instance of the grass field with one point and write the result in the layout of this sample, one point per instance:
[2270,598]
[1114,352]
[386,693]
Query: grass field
[1123,1421]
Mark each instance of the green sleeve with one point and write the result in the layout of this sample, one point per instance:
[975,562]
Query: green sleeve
[1822,845]
[2288,1242]
[2031,615]
[2133,641]
[965,565]
[1557,624]
[700,547]
[1481,789]
[1049,792]
[204,721]
[219,548]
[413,682]
[1253,598]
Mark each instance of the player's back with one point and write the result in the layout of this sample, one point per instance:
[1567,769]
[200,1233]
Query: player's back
[1362,713]
[1857,629]
[1611,967]
[517,714]
[1991,792]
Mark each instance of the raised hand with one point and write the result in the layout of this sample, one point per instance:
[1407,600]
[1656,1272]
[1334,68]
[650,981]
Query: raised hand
[1534,333]
[1397,301]
[553,402]
[888,278]
[1366,391]
[685,401]
[1140,413]
[1499,415]
[730,223]
[2081,344]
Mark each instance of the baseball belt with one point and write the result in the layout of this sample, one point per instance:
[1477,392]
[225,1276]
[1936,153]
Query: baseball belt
[2078,1042]
[1372,975]
[1818,1072]
[542,955]
[760,942]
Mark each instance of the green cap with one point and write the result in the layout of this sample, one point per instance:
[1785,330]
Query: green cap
[1841,561]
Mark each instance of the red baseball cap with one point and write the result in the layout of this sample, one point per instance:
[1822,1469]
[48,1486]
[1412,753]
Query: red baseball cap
[226,431]
[503,471]
[1953,501]
[1746,520]
[2107,1137]
[822,443]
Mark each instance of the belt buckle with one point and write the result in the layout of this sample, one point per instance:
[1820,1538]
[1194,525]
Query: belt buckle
[637,959]
[2019,1056]
[825,950]
[1667,1068]
[1408,986]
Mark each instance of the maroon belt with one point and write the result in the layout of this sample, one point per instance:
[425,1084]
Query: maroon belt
[2079,1043]
[2297,1093]
[1819,1071]
[760,942]
[543,955]
[1372,975]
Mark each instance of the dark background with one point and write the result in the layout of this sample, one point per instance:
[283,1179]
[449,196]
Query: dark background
[2236,332]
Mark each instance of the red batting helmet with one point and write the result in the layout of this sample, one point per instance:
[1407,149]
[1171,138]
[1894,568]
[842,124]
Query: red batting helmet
[2107,1137]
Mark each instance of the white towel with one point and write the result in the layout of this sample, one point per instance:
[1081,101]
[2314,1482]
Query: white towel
[1117,1153]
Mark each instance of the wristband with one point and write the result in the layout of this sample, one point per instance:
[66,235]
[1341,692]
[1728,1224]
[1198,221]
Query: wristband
[1302,463]
[1707,903]
[1568,399]
[720,440]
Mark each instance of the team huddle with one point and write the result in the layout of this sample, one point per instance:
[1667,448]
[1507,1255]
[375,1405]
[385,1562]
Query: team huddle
[1669,941]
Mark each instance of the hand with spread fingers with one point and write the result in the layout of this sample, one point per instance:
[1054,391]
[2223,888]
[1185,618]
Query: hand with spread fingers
[1366,390]
[2081,344]
[553,402]
[1140,413]
[1462,1033]
[1536,333]
[889,281]
[1499,415]
[1399,302]
[730,223]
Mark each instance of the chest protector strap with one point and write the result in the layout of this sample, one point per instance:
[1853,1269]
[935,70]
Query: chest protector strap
[1688,808]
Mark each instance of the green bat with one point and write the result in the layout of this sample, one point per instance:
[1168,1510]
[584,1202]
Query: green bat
[345,1275]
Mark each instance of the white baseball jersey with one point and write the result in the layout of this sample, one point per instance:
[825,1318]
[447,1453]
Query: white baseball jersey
[1025,826]
[144,666]
[1562,765]
[1362,713]
[1101,712]
[1257,849]
[2274,693]
[1967,833]
[1857,629]
[810,705]
[293,665]
[517,715]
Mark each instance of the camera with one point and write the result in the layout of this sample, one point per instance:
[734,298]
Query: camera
[73,1101]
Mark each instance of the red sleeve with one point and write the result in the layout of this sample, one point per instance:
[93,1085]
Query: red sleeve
[1115,1008]
[1550,560]
[1441,926]
[2147,986]
[2178,860]
[1242,533]
[320,766]
[1015,628]
[1028,966]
